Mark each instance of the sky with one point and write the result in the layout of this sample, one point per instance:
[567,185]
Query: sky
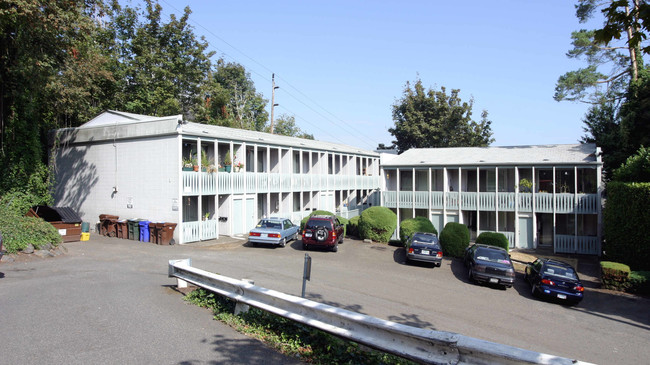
[341,65]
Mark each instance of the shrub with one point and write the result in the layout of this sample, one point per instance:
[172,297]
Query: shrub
[418,224]
[454,239]
[353,226]
[614,275]
[18,232]
[343,221]
[626,221]
[17,203]
[636,168]
[639,282]
[493,239]
[377,224]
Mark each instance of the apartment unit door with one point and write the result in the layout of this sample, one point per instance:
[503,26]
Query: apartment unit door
[526,233]
[326,201]
[243,219]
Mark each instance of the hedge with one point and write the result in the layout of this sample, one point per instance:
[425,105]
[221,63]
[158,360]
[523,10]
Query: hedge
[617,276]
[454,239]
[626,221]
[18,232]
[343,221]
[377,224]
[493,239]
[353,226]
[418,224]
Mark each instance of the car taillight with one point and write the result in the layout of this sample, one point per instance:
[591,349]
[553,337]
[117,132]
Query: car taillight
[254,234]
[274,235]
[579,288]
[547,282]
[439,254]
[333,234]
[411,250]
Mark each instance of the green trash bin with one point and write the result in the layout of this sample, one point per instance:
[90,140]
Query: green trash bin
[133,229]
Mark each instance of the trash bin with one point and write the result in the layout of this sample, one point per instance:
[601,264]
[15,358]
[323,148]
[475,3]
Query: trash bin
[144,230]
[159,230]
[85,227]
[107,224]
[167,234]
[122,229]
[153,232]
[133,229]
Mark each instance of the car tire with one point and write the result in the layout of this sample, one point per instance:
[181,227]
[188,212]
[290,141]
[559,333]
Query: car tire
[254,244]
[305,246]
[283,242]
[438,264]
[335,247]
[533,290]
[470,274]
[321,234]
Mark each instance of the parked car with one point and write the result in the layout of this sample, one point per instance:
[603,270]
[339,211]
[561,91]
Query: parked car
[424,247]
[489,264]
[324,231]
[554,279]
[274,231]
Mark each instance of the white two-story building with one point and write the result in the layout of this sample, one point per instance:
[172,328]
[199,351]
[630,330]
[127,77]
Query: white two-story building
[538,196]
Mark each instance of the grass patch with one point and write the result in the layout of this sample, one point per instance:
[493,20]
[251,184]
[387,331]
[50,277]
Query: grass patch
[288,337]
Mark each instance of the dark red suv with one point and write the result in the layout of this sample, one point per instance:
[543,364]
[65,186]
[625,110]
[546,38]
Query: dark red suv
[324,231]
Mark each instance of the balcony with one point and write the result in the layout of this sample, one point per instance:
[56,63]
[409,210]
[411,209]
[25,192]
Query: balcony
[490,201]
[196,183]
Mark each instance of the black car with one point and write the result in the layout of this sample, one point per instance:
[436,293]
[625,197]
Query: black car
[554,279]
[489,264]
[424,247]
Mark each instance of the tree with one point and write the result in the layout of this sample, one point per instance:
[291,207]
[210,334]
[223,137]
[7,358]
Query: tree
[231,99]
[636,168]
[429,118]
[285,125]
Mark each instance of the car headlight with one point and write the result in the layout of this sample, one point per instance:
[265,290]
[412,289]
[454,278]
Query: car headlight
[479,268]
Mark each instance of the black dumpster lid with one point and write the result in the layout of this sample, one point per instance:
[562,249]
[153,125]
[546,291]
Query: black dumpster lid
[56,214]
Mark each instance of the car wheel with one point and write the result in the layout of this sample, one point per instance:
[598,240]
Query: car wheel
[254,244]
[470,274]
[533,290]
[283,242]
[305,246]
[335,247]
[438,264]
[321,234]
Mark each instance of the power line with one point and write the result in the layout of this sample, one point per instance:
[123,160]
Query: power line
[338,122]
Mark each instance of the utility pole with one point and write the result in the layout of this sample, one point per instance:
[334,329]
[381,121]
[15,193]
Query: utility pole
[273,104]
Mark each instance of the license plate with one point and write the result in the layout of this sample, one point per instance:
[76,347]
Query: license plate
[424,252]
[494,280]
[307,234]
[561,296]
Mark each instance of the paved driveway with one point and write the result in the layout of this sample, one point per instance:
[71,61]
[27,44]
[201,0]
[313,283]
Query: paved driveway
[109,301]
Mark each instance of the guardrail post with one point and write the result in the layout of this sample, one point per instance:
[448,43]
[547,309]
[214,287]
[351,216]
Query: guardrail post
[243,307]
[172,270]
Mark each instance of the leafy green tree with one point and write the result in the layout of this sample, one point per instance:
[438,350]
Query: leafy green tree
[285,125]
[431,118]
[231,99]
[636,168]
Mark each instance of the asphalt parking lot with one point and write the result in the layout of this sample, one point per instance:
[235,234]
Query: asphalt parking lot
[110,300]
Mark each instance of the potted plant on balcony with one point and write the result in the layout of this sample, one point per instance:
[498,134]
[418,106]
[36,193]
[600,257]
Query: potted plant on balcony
[525,186]
[238,166]
[227,162]
[187,164]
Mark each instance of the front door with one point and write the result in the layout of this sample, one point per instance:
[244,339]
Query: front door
[526,233]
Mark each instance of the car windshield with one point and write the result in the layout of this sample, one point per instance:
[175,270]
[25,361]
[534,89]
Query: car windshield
[265,223]
[424,238]
[564,272]
[313,224]
[485,254]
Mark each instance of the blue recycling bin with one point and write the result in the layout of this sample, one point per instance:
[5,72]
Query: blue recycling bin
[144,230]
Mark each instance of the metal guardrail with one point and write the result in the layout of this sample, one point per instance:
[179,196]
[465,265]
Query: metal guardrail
[421,345]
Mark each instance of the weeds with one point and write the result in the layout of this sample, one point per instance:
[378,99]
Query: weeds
[290,338]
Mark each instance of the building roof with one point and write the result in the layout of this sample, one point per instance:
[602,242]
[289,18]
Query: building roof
[558,154]
[112,118]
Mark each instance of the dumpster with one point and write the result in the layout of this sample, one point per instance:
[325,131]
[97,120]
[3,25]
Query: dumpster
[122,229]
[144,231]
[107,224]
[167,234]
[64,219]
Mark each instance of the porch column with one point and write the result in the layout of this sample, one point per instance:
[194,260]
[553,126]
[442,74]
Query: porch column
[516,238]
[413,192]
[496,199]
[199,153]
[554,210]
[575,209]
[478,201]
[534,208]
[445,188]
[398,194]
